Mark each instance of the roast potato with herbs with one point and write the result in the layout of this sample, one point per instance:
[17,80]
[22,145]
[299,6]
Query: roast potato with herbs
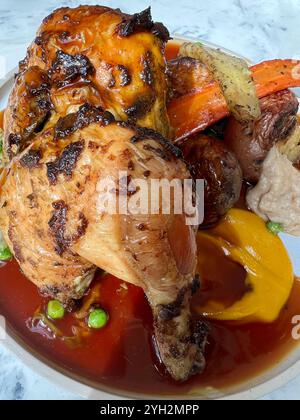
[186,75]
[234,77]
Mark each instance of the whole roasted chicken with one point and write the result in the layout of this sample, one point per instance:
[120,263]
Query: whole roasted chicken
[88,103]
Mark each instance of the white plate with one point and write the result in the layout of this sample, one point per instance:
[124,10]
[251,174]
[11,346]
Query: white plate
[279,375]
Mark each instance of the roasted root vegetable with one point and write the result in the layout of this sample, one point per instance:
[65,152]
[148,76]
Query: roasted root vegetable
[252,142]
[275,75]
[234,77]
[244,238]
[205,104]
[197,111]
[186,75]
[209,159]
[291,146]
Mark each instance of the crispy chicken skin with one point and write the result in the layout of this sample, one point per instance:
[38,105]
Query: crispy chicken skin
[87,68]
[59,230]
[90,54]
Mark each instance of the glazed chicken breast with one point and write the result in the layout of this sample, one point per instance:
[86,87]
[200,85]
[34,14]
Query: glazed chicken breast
[53,219]
[90,54]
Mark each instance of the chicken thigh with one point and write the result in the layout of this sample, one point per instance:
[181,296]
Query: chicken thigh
[60,145]
[53,218]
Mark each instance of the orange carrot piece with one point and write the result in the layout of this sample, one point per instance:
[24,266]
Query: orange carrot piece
[204,107]
[276,75]
[197,111]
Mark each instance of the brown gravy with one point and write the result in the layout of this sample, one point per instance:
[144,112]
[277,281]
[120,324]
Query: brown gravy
[122,355]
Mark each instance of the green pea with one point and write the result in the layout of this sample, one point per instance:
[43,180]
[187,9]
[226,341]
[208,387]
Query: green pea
[55,310]
[5,254]
[275,228]
[98,318]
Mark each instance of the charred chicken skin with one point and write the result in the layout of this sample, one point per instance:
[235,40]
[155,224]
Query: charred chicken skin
[90,54]
[90,81]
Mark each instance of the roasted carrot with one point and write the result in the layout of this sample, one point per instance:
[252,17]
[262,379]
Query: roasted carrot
[197,111]
[276,75]
[206,105]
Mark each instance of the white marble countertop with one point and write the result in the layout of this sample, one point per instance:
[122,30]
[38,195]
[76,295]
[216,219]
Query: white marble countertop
[254,28]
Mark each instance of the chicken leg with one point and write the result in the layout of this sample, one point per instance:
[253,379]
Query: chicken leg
[51,211]
[60,145]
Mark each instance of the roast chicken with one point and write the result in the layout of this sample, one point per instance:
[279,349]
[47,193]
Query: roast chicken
[90,54]
[88,103]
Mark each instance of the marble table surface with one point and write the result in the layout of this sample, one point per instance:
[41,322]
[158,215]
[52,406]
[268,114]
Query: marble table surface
[253,28]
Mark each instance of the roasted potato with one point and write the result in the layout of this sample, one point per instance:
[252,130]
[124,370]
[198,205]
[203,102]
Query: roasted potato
[251,142]
[234,76]
[187,75]
[291,147]
[210,160]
